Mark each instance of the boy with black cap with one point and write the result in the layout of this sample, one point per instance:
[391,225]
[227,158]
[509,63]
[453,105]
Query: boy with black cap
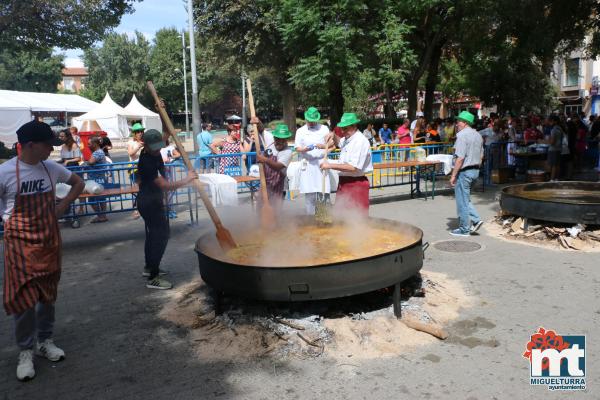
[32,245]
[152,181]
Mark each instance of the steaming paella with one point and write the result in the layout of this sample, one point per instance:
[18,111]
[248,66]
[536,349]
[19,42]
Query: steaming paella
[307,245]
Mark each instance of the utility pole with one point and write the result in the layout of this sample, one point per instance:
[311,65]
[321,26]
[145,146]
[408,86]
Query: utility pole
[196,123]
[187,120]
[243,104]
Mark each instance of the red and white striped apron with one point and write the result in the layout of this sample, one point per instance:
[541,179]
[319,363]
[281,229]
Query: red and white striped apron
[32,251]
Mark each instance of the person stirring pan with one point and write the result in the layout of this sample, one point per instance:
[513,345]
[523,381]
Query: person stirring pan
[151,205]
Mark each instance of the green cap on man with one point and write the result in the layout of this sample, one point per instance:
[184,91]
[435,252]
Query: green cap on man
[137,127]
[467,117]
[348,119]
[281,131]
[153,140]
[312,114]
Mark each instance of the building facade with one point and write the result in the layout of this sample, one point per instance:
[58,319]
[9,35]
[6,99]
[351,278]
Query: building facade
[577,80]
[72,79]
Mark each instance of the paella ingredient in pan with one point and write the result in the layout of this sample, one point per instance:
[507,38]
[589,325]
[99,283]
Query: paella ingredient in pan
[314,245]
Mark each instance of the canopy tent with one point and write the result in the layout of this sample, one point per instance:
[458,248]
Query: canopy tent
[111,117]
[150,119]
[16,108]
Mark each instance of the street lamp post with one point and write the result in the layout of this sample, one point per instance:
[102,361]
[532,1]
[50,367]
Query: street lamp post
[187,121]
[243,103]
[196,127]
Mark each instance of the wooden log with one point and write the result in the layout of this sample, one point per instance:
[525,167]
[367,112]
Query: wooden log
[430,328]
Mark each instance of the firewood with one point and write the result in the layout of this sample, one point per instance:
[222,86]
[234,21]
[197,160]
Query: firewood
[563,242]
[432,329]
[530,234]
[290,324]
[517,225]
[576,244]
[308,341]
[590,236]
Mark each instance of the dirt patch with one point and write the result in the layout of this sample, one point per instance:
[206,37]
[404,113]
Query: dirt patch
[256,329]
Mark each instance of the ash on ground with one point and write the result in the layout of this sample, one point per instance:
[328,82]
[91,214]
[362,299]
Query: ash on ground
[362,326]
[547,234]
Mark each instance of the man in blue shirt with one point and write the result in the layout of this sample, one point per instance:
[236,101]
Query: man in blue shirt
[205,148]
[385,134]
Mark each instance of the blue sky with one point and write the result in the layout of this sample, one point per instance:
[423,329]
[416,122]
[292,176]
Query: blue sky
[149,16]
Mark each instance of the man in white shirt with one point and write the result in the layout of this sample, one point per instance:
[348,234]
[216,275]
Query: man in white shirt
[353,164]
[310,145]
[420,115]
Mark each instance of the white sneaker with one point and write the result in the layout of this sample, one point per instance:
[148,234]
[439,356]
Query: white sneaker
[49,350]
[25,369]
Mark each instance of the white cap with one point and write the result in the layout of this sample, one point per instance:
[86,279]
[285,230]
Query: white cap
[420,114]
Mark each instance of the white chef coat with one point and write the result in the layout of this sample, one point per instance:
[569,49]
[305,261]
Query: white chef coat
[356,151]
[311,175]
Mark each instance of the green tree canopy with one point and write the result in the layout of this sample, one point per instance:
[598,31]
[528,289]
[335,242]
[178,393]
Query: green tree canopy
[120,67]
[166,67]
[30,70]
[62,23]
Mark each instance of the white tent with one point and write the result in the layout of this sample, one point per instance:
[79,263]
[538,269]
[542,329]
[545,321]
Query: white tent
[150,119]
[16,109]
[111,117]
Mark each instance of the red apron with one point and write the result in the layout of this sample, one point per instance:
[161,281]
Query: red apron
[32,255]
[353,193]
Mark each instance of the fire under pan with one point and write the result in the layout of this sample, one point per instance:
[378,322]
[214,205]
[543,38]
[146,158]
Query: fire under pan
[315,282]
[565,202]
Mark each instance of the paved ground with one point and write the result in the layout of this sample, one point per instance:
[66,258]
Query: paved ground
[118,348]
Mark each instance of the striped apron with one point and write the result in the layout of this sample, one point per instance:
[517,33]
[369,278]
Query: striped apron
[32,255]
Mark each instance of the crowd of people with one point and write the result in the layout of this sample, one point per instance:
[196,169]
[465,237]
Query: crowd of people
[408,132]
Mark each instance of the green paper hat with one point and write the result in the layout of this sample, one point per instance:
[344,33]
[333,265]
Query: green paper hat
[312,115]
[137,127]
[153,140]
[467,117]
[348,119]
[281,131]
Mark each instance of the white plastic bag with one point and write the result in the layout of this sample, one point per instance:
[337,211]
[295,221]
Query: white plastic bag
[62,189]
[93,187]
[254,171]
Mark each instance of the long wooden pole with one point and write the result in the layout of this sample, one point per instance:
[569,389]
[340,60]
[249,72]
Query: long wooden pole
[223,235]
[267,214]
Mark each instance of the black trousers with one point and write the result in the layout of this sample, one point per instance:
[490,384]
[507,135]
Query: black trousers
[152,210]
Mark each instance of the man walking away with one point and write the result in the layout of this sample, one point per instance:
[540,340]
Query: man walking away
[32,245]
[468,155]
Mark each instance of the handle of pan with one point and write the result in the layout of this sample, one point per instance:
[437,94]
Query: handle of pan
[425,246]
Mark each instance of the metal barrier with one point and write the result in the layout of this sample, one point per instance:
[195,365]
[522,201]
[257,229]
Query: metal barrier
[120,190]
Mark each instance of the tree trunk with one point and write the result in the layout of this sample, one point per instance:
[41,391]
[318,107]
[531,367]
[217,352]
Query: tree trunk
[336,100]
[432,80]
[288,97]
[389,106]
[413,87]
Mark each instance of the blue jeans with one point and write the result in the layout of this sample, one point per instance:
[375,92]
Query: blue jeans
[38,319]
[464,208]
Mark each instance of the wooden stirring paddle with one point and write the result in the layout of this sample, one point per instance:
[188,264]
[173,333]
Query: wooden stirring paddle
[223,235]
[267,215]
